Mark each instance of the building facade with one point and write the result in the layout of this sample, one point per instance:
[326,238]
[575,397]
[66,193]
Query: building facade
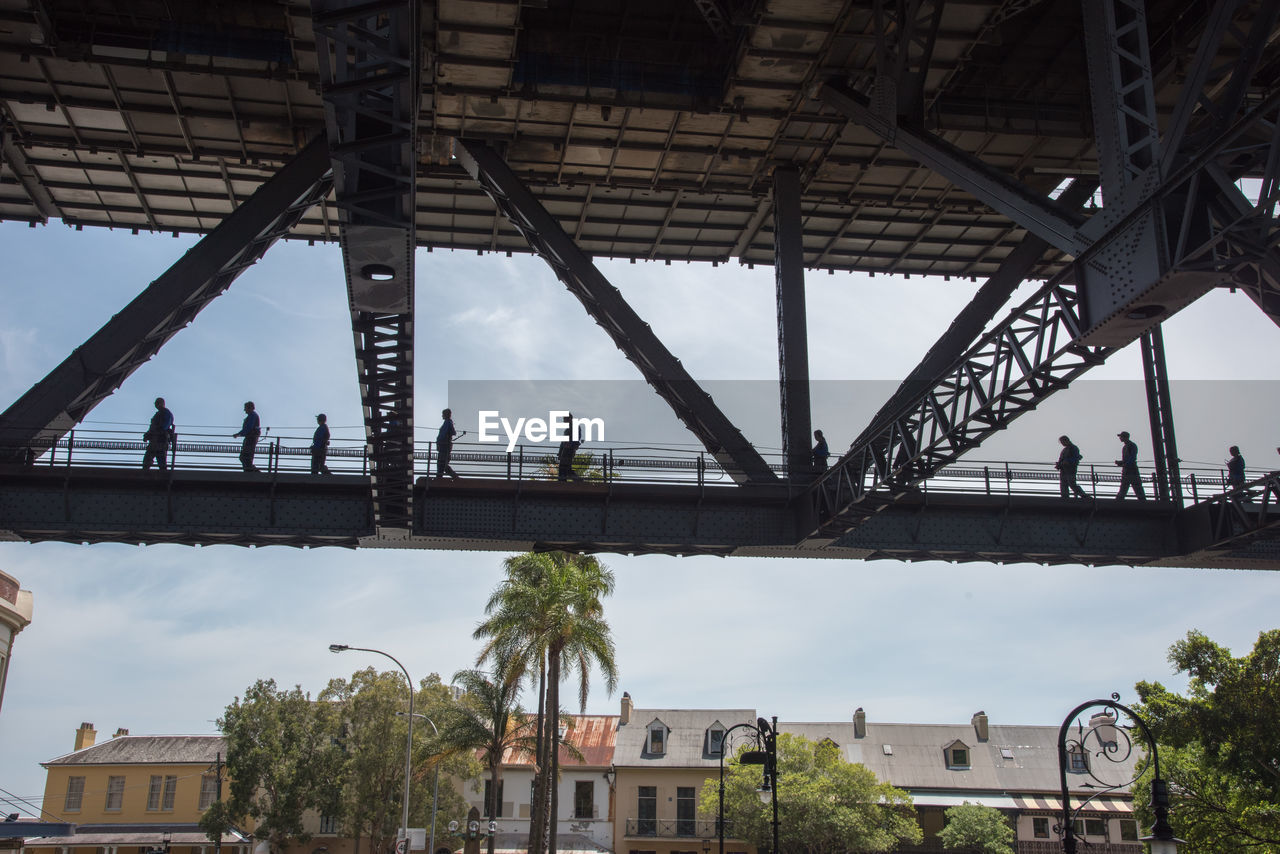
[584,818]
[135,794]
[15,615]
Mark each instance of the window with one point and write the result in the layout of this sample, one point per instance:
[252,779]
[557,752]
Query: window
[1128,830]
[584,799]
[887,748]
[208,791]
[488,791]
[686,811]
[1040,828]
[1006,753]
[75,794]
[1079,762]
[715,740]
[657,738]
[1095,827]
[647,811]
[161,792]
[328,824]
[115,793]
[958,756]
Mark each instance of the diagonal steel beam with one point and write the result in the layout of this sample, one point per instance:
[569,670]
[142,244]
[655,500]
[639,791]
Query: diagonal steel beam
[98,367]
[693,406]
[368,58]
[973,318]
[793,338]
[1037,214]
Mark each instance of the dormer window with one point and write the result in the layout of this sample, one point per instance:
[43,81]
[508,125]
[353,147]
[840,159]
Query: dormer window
[657,742]
[1078,761]
[957,754]
[715,739]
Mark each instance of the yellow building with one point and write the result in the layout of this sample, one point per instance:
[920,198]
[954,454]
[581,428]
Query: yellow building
[134,794]
[662,759]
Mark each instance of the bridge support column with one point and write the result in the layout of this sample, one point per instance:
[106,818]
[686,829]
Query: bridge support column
[1160,407]
[793,339]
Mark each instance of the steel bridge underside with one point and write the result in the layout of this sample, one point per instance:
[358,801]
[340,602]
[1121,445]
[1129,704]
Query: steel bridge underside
[89,505]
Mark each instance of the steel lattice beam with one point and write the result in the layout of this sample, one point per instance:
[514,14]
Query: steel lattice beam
[906,31]
[691,404]
[369,70]
[98,367]
[1164,444]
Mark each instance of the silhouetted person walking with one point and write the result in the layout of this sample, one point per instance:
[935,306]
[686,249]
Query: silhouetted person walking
[320,446]
[1128,462]
[158,437]
[1067,464]
[444,445]
[1235,468]
[250,430]
[566,453]
[818,456]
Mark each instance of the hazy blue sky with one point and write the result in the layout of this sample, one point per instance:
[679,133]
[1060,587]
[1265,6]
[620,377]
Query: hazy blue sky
[159,639]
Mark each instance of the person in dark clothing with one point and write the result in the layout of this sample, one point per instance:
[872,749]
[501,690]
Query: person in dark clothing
[444,445]
[159,436]
[565,455]
[250,430]
[320,446]
[1235,468]
[1068,462]
[1128,462]
[818,456]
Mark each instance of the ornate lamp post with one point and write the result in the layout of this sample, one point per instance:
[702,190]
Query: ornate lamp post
[766,737]
[1105,740]
[408,747]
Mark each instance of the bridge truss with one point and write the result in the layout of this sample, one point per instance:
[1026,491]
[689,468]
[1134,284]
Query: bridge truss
[1098,147]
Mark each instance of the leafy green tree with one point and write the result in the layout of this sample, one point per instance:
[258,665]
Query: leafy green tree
[825,804]
[1219,745]
[281,763]
[547,618]
[488,719]
[973,827]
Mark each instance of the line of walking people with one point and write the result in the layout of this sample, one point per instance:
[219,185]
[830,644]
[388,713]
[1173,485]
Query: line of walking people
[161,437]
[1130,478]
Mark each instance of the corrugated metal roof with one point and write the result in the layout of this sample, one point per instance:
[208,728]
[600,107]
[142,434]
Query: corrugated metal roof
[592,735]
[686,736]
[149,750]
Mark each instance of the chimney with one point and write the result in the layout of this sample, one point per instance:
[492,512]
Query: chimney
[85,736]
[859,723]
[627,706]
[980,725]
[121,731]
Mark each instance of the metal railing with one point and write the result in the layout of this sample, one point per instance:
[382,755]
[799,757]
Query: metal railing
[290,454]
[674,828]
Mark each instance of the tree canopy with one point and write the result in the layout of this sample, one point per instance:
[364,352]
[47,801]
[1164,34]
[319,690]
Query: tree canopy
[826,805]
[281,762]
[1219,744]
[973,827]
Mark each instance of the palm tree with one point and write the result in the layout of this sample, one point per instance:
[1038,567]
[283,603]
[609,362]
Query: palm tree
[548,615]
[488,719]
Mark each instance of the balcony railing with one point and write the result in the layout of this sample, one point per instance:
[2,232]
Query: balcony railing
[675,828]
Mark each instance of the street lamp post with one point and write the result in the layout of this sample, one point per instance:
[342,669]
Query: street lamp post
[408,747]
[435,788]
[767,737]
[1106,743]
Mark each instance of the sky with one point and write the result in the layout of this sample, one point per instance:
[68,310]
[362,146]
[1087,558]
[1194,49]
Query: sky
[159,639]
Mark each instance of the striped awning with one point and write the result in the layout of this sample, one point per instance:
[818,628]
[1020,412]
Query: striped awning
[1048,803]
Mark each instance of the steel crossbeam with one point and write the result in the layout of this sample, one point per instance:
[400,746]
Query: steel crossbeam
[1039,215]
[1160,409]
[606,306]
[98,366]
[906,31]
[368,56]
